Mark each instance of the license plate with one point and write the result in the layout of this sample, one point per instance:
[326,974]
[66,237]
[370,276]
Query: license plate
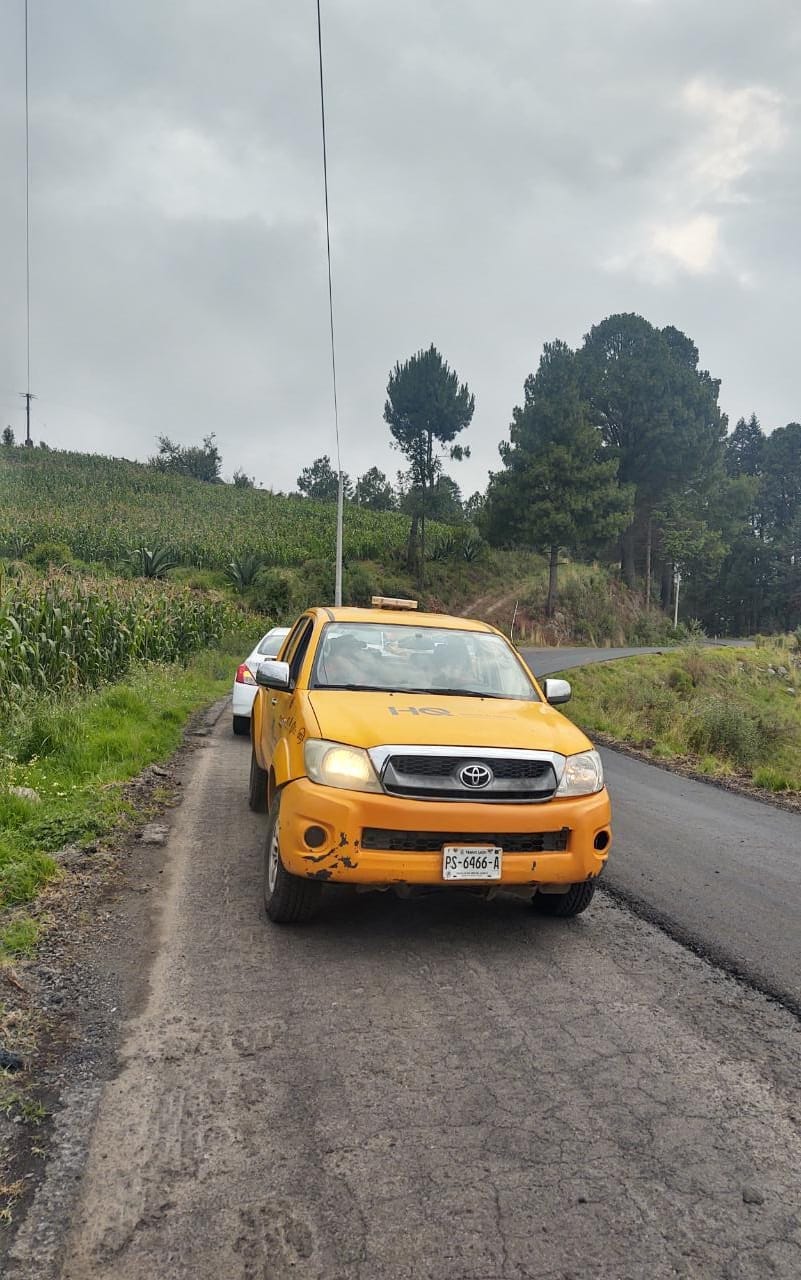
[471,862]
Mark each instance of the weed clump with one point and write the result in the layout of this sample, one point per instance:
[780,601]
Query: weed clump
[680,680]
[720,728]
[772,779]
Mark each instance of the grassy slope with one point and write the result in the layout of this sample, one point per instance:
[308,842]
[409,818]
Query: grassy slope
[724,711]
[77,754]
[100,508]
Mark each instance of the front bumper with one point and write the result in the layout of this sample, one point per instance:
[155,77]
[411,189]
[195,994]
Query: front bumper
[343,816]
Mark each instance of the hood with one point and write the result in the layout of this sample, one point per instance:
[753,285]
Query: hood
[403,719]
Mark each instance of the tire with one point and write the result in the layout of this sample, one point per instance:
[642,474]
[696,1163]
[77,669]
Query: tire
[241,726]
[257,788]
[563,905]
[288,899]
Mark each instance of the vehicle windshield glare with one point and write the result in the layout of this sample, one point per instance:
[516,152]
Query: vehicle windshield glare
[270,646]
[397,658]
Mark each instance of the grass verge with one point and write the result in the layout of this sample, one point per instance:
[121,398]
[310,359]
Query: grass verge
[76,754]
[726,712]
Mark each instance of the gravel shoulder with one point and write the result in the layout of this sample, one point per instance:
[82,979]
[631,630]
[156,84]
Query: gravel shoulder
[435,1088]
[62,1010]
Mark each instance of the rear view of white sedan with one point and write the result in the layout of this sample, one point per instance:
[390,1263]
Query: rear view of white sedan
[245,682]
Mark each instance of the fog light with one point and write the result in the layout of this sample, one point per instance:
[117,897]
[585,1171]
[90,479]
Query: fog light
[314,837]
[601,840]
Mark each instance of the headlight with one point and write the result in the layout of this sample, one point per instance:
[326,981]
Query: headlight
[583,775]
[334,765]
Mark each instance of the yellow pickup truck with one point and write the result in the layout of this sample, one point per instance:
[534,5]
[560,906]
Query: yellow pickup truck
[397,749]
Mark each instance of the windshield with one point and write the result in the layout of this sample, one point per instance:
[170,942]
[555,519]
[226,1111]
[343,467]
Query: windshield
[372,656]
[270,645]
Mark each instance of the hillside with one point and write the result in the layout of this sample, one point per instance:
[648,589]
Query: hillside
[726,713]
[57,506]
[101,508]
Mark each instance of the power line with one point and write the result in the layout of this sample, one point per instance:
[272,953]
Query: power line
[327,232]
[341,485]
[27,394]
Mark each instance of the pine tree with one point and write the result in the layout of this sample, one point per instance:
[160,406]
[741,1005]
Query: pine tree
[558,489]
[426,408]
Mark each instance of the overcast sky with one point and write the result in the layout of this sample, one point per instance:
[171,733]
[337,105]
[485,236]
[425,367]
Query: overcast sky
[501,174]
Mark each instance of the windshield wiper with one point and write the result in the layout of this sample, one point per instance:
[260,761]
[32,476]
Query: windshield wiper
[456,693]
[356,688]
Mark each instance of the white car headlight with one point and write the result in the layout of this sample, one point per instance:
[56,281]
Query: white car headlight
[583,775]
[334,765]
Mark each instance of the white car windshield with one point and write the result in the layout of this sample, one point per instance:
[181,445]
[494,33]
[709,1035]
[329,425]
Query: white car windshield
[270,645]
[373,656]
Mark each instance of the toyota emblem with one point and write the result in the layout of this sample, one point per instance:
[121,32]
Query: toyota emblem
[475,776]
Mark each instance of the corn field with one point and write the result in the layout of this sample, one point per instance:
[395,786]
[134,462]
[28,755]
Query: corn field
[102,509]
[68,632]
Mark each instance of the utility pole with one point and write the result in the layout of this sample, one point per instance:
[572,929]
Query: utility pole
[340,507]
[27,397]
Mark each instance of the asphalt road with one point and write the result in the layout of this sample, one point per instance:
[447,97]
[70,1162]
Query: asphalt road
[719,870]
[544,662]
[438,1088]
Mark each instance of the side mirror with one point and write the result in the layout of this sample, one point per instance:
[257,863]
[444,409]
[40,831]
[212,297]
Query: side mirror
[273,675]
[555,691]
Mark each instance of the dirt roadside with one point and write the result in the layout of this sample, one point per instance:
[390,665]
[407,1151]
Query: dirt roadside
[63,1008]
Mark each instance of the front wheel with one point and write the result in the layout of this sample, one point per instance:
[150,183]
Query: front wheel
[288,899]
[563,905]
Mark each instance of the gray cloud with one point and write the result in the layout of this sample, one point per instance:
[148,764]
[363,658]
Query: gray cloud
[500,175]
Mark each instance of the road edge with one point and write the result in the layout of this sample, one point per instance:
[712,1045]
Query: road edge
[75,1047]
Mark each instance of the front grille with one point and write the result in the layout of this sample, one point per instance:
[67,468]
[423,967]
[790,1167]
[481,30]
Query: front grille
[446,766]
[394,841]
[430,776]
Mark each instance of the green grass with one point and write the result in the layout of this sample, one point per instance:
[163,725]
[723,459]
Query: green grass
[29,1110]
[77,753]
[727,711]
[19,936]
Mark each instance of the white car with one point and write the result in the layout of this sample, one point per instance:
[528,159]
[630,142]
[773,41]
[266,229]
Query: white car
[245,683]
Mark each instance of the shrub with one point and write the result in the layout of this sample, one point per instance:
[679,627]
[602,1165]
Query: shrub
[45,554]
[47,728]
[694,629]
[358,587]
[472,549]
[649,629]
[152,562]
[589,605]
[271,594]
[442,548]
[395,588]
[243,571]
[722,729]
[696,664]
[679,680]
[772,779]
